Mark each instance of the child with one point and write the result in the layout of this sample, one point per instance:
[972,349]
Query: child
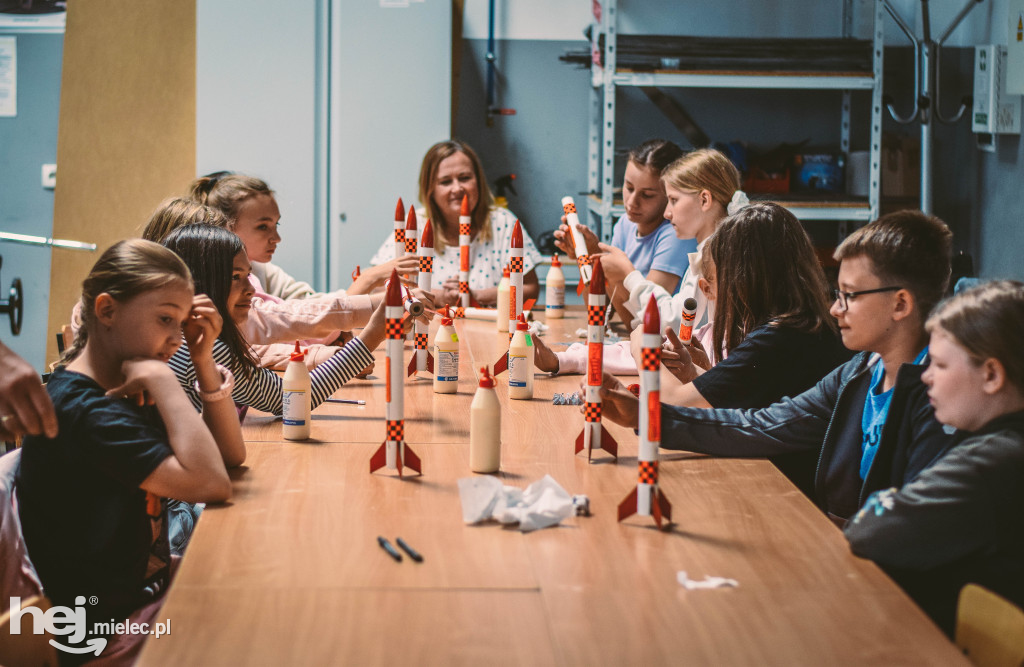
[868,421]
[92,500]
[248,204]
[958,522]
[220,268]
[451,170]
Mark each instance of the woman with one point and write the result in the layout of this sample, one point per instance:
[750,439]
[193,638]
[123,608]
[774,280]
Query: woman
[450,171]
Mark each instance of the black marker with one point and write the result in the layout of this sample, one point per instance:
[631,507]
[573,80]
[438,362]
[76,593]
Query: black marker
[390,549]
[413,554]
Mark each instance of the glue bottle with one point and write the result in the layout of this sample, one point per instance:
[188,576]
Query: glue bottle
[446,356]
[485,427]
[296,397]
[520,362]
[503,301]
[554,294]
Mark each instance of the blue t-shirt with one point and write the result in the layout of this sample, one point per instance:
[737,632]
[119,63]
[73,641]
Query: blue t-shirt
[876,409]
[659,250]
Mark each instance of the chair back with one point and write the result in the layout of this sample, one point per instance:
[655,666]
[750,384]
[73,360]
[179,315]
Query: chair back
[26,649]
[989,628]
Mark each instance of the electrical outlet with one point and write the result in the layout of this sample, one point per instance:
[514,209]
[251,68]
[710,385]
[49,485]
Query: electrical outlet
[49,176]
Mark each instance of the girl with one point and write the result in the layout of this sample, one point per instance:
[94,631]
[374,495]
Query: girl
[644,234]
[248,204]
[958,522]
[128,437]
[451,170]
[220,268]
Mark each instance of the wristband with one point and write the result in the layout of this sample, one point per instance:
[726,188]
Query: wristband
[227,384]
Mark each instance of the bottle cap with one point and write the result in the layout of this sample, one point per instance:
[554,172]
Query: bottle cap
[486,381]
[555,261]
[521,325]
[446,319]
[298,354]
[505,272]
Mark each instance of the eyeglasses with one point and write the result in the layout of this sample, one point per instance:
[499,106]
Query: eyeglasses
[844,297]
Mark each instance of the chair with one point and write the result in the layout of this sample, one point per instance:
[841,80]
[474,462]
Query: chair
[26,649]
[989,628]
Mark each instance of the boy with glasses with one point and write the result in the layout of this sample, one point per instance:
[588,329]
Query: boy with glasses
[869,419]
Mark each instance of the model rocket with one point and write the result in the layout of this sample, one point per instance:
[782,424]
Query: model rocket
[464,232]
[515,291]
[686,323]
[489,314]
[393,452]
[422,360]
[410,237]
[594,435]
[578,243]
[647,499]
[356,273]
[399,228]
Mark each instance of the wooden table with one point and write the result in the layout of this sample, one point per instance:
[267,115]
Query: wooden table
[289,572]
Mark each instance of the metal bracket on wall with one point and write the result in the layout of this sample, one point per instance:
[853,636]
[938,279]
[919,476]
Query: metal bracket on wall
[678,115]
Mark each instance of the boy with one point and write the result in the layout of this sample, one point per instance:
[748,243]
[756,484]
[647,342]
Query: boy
[869,420]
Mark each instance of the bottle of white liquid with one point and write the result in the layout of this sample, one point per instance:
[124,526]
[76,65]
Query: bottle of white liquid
[503,301]
[446,356]
[554,294]
[296,398]
[520,363]
[485,427]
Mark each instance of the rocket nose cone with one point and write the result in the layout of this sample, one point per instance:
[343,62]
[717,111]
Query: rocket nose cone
[410,222]
[517,236]
[393,295]
[427,241]
[597,277]
[399,210]
[464,209]
[652,318]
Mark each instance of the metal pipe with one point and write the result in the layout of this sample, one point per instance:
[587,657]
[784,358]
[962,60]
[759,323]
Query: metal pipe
[491,93]
[44,241]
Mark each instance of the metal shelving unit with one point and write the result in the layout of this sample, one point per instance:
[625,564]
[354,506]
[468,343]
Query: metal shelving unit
[606,79]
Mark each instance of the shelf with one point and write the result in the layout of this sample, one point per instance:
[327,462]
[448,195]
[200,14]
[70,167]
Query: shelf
[749,80]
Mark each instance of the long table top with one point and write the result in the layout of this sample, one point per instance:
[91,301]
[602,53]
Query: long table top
[290,572]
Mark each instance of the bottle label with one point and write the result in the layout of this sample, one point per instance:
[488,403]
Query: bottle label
[294,404]
[517,369]
[555,298]
[447,365]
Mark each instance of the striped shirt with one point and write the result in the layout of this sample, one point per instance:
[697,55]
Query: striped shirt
[262,390]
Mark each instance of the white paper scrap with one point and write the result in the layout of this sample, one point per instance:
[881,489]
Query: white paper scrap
[709,582]
[544,503]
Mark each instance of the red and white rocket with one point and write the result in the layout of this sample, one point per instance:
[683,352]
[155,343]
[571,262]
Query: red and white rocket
[686,323]
[410,237]
[578,243]
[422,360]
[647,498]
[393,452]
[399,228]
[515,291]
[464,233]
[594,435]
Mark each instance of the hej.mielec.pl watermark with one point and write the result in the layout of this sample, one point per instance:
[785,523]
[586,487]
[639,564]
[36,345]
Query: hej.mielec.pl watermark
[71,622]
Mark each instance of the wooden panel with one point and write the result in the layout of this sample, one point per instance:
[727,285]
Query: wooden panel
[323,626]
[127,132]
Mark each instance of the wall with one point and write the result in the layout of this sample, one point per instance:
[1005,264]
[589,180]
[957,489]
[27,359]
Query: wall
[28,141]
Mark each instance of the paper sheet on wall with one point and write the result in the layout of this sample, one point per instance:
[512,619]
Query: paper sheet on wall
[8,76]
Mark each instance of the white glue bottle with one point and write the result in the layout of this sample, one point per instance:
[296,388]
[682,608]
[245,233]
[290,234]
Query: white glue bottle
[520,362]
[446,356]
[503,301]
[554,293]
[296,398]
[485,427]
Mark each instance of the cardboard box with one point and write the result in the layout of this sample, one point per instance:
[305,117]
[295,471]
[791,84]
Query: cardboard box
[901,166]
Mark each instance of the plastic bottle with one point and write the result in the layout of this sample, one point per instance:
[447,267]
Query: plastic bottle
[485,427]
[296,397]
[554,294]
[520,363]
[503,301]
[446,356]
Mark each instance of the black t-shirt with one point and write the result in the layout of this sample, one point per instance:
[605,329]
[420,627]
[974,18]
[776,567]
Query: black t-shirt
[772,362]
[87,524]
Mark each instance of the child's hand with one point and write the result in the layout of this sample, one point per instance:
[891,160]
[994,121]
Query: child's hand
[614,262]
[617,402]
[450,292]
[372,334]
[676,358]
[202,327]
[427,299]
[143,379]
[562,241]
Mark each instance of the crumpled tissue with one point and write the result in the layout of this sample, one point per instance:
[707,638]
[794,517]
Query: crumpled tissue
[709,582]
[544,503]
[537,327]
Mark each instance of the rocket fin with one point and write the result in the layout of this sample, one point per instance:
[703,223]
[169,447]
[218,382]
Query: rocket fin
[501,365]
[529,304]
[580,440]
[411,460]
[430,362]
[580,287]
[608,443]
[379,458]
[628,505]
[412,364]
